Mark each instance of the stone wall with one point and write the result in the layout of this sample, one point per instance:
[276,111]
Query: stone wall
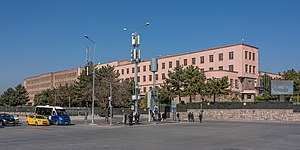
[245,114]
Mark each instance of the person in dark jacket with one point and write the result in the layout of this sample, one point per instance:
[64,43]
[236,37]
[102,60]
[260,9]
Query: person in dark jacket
[130,118]
[178,118]
[192,117]
[200,117]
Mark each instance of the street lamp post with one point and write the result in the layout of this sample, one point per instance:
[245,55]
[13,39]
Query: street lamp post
[136,58]
[110,105]
[93,95]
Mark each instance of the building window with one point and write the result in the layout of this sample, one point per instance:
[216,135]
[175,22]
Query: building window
[170,64]
[246,68]
[138,78]
[177,62]
[231,68]
[156,77]
[132,70]
[127,70]
[163,76]
[138,69]
[163,66]
[250,55]
[250,68]
[185,62]
[248,96]
[202,59]
[253,70]
[150,88]
[202,70]
[149,67]
[230,55]
[150,77]
[253,56]
[231,83]
[144,78]
[236,83]
[220,67]
[211,69]
[122,71]
[144,68]
[246,53]
[211,58]
[221,57]
[193,61]
[144,89]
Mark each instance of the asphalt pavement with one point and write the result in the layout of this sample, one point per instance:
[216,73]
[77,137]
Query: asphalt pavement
[211,135]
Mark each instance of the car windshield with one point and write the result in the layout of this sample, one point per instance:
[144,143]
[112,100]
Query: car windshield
[40,117]
[61,112]
[7,116]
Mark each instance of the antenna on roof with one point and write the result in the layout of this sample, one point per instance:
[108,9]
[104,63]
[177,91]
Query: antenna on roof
[242,40]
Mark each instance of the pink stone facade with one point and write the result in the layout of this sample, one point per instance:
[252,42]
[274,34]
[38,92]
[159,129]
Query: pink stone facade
[239,62]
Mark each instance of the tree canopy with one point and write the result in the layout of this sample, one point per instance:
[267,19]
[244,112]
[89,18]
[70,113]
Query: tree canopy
[80,93]
[14,96]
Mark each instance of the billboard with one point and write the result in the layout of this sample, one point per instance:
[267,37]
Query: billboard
[282,87]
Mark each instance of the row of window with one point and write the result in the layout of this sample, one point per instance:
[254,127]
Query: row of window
[249,55]
[163,75]
[250,69]
[233,84]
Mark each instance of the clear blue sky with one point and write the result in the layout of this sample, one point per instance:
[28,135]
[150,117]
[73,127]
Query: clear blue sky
[38,37]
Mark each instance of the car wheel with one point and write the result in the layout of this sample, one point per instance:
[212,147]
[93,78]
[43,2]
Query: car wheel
[55,122]
[27,122]
[1,124]
[36,124]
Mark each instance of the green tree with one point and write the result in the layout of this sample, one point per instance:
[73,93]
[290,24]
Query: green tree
[295,76]
[175,81]
[218,87]
[83,90]
[21,95]
[46,97]
[194,81]
[14,97]
[165,94]
[8,97]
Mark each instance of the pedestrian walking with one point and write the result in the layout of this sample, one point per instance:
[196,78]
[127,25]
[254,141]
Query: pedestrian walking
[200,117]
[159,117]
[178,118]
[125,118]
[192,117]
[163,117]
[130,118]
[189,116]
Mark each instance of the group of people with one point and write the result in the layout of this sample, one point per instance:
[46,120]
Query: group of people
[135,117]
[130,117]
[191,117]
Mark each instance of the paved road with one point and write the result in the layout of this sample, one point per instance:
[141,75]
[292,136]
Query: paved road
[211,135]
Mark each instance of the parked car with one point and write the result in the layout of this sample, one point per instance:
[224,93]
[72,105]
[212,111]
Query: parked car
[37,120]
[16,118]
[8,119]
[1,123]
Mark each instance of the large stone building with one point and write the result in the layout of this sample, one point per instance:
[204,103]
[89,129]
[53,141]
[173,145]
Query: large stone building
[239,62]
[37,84]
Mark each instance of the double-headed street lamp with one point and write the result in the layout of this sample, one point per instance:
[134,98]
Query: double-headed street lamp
[136,58]
[93,95]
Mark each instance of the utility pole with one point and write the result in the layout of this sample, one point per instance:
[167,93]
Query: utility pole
[136,58]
